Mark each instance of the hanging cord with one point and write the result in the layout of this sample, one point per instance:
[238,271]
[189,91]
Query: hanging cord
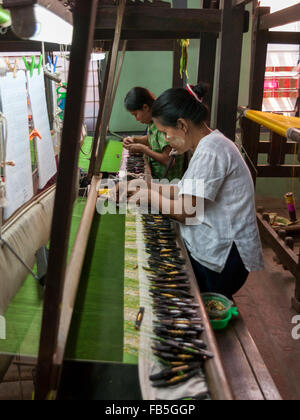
[63,54]
[44,55]
[3,146]
[19,259]
[94,98]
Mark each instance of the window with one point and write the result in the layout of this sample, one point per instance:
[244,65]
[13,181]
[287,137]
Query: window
[282,69]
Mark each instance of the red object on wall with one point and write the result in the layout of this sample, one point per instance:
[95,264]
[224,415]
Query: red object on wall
[271,84]
[277,86]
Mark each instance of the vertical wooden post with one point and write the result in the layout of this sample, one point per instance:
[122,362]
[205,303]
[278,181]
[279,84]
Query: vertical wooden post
[110,85]
[258,63]
[84,28]
[121,62]
[257,80]
[250,141]
[100,116]
[207,56]
[178,82]
[276,156]
[229,66]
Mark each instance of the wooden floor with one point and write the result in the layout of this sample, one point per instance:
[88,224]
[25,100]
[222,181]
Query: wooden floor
[265,304]
[18,382]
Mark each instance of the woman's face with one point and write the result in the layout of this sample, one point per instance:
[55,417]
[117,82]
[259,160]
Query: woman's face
[143,115]
[176,136]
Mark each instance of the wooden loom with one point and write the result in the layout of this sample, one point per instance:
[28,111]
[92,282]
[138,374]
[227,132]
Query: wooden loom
[120,22]
[105,20]
[284,131]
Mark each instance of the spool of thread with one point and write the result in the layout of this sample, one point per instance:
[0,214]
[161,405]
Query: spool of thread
[290,201]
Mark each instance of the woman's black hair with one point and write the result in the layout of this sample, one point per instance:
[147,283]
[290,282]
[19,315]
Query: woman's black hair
[137,97]
[180,103]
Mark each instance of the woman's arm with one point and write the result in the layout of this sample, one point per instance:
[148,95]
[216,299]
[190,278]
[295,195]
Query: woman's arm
[162,158]
[179,208]
[166,190]
[134,140]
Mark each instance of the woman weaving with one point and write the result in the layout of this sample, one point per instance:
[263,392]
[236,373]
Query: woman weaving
[226,246]
[139,103]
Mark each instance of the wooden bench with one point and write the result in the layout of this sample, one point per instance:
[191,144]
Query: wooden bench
[247,373]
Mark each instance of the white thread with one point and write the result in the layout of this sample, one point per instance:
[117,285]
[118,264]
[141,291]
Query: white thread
[3,144]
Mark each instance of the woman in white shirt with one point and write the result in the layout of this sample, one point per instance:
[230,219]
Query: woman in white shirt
[226,246]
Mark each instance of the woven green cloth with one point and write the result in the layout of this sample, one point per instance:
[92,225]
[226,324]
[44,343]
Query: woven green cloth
[23,321]
[131,293]
[97,327]
[24,314]
[111,159]
[101,324]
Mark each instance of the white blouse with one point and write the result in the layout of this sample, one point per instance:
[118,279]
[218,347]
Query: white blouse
[229,206]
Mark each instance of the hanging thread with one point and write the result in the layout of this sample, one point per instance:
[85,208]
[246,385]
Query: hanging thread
[3,144]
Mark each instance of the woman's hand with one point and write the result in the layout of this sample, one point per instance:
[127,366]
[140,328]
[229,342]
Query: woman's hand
[137,148]
[128,141]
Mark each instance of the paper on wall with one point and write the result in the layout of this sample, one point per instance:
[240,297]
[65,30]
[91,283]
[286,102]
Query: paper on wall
[19,184]
[46,157]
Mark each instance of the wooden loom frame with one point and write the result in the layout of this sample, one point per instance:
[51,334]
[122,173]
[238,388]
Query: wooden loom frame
[278,146]
[110,20]
[49,369]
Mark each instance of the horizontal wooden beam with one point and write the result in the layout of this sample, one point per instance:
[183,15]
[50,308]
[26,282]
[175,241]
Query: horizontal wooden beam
[24,46]
[157,23]
[11,43]
[108,34]
[280,171]
[288,148]
[146,45]
[284,38]
[283,17]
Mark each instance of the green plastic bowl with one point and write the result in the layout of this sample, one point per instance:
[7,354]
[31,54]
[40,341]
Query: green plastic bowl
[214,313]
[221,324]
[220,319]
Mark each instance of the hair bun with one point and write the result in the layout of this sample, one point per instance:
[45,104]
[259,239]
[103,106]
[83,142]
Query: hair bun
[201,90]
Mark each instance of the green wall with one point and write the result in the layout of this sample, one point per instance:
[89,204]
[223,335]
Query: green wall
[153,70]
